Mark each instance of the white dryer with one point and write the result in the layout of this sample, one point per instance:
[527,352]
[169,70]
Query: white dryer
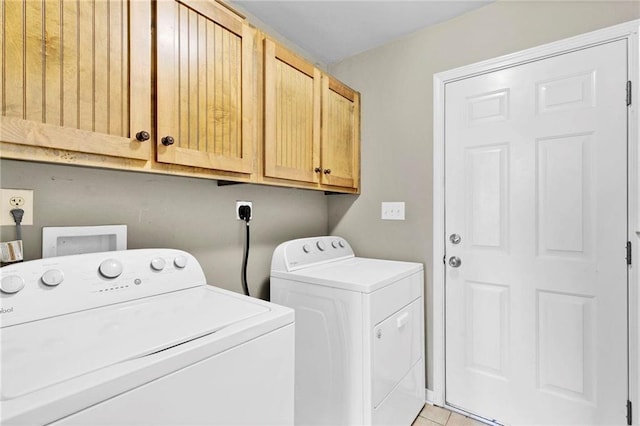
[359,333]
[137,337]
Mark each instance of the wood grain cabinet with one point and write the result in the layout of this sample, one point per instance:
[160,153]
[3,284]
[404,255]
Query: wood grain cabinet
[340,134]
[205,79]
[76,77]
[80,84]
[311,123]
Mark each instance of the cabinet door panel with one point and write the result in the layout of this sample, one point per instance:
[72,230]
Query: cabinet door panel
[340,134]
[67,67]
[205,89]
[292,116]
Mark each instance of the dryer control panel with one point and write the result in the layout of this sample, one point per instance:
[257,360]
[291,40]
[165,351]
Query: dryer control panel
[304,252]
[44,288]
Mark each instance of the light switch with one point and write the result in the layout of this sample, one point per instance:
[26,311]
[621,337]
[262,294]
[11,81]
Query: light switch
[393,210]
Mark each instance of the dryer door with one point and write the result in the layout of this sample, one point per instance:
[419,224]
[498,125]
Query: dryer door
[397,346]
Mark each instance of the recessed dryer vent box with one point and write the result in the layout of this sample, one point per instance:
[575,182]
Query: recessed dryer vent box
[67,240]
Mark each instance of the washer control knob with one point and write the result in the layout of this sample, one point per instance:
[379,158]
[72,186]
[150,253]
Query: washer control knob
[52,277]
[180,261]
[158,263]
[334,244]
[306,248]
[110,268]
[320,245]
[11,284]
[341,243]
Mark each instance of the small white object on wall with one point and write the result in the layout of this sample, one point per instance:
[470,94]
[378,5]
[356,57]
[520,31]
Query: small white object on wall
[393,210]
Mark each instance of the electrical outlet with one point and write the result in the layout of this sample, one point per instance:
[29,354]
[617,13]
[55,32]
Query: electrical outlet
[16,199]
[393,210]
[243,203]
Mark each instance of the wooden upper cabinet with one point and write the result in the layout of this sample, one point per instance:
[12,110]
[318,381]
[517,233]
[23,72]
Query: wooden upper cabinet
[340,134]
[292,116]
[205,87]
[76,75]
[311,123]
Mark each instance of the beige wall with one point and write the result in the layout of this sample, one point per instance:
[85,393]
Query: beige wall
[166,211]
[396,83]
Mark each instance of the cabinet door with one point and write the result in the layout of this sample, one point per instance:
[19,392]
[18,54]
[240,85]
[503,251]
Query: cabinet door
[292,116]
[340,134]
[205,89]
[76,75]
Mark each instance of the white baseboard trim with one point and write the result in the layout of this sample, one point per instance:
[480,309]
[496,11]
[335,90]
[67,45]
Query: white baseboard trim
[429,396]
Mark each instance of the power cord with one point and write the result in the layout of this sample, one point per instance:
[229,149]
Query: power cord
[18,214]
[245,214]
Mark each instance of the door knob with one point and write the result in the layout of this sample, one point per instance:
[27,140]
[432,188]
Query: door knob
[317,170]
[455,262]
[167,140]
[455,238]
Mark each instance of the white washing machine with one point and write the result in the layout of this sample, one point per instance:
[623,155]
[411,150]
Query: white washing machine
[359,333]
[137,337]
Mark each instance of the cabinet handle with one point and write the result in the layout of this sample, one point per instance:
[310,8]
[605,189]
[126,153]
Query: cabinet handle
[142,136]
[317,170]
[327,171]
[168,140]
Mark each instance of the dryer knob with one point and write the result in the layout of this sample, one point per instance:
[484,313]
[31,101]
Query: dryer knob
[180,261]
[158,263]
[320,245]
[11,284]
[306,248]
[334,244]
[52,277]
[110,268]
[341,243]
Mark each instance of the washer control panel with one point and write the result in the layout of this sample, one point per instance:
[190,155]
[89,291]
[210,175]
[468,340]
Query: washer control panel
[43,288]
[305,252]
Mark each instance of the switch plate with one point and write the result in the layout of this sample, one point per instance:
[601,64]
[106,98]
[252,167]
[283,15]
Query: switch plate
[12,199]
[393,210]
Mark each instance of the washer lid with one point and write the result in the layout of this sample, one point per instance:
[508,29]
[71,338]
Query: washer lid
[41,353]
[357,274]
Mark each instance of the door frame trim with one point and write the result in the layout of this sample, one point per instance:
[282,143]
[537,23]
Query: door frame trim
[628,31]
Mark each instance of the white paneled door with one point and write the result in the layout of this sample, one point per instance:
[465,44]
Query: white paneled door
[536,232]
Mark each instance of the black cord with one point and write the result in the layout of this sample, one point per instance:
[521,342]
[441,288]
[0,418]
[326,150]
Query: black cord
[245,258]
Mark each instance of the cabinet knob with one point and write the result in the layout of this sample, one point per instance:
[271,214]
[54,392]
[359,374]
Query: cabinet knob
[168,140]
[327,171]
[317,170]
[142,136]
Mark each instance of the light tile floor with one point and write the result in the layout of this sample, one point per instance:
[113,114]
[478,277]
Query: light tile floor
[436,416]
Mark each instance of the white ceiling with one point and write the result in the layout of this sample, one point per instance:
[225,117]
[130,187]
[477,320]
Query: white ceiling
[331,30]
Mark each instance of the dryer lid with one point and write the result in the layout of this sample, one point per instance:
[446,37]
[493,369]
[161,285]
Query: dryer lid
[356,274]
[45,352]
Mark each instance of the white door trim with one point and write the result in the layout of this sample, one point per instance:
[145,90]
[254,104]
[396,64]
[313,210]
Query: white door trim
[627,31]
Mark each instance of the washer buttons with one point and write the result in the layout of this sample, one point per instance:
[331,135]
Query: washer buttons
[110,268]
[52,277]
[180,261]
[157,264]
[11,284]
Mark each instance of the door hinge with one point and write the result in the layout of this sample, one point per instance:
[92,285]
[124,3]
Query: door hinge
[628,252]
[628,93]
[629,419]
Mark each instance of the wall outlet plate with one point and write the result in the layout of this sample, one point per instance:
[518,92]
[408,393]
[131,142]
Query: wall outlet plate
[393,210]
[243,203]
[13,199]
